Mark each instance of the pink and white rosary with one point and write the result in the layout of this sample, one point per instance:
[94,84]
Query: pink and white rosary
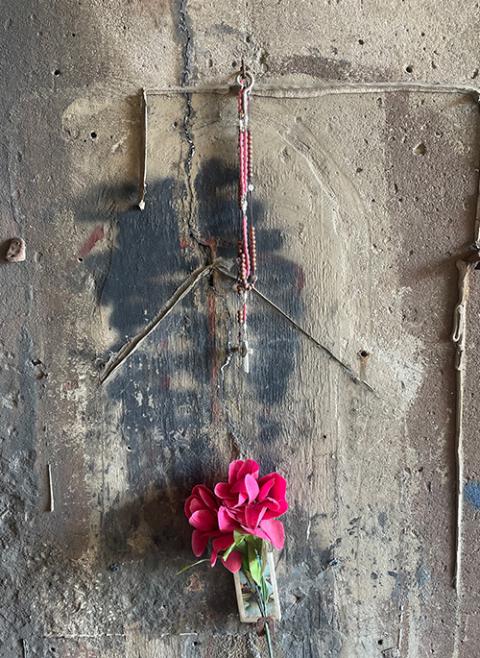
[247,256]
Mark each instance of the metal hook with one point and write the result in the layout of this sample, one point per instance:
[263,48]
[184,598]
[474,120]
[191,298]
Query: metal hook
[245,78]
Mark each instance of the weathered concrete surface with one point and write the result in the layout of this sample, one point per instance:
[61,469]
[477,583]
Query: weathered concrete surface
[363,204]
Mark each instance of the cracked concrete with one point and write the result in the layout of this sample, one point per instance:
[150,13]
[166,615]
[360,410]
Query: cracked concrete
[366,152]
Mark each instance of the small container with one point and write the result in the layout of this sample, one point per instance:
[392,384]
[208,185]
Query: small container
[247,601]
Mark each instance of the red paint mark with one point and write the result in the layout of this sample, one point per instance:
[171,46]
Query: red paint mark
[70,385]
[212,315]
[165,383]
[212,331]
[97,234]
[299,278]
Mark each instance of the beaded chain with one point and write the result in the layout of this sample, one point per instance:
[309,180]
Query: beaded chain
[247,253]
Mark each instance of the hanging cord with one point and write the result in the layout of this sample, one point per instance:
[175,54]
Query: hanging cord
[247,255]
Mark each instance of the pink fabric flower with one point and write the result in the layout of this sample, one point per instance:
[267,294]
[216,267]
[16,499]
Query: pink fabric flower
[252,505]
[246,503]
[201,510]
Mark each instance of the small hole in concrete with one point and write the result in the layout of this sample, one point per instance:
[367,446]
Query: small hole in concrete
[93,135]
[361,42]
[409,68]
[420,149]
[234,65]
[80,260]
[364,354]
[57,72]
[380,642]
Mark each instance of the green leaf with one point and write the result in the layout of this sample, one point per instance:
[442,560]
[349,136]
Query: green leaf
[226,553]
[239,539]
[245,566]
[191,566]
[239,536]
[265,594]
[264,554]
[254,563]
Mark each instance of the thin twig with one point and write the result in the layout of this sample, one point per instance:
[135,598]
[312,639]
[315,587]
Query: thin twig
[142,186]
[304,332]
[276,91]
[459,339]
[51,499]
[129,348]
[25,648]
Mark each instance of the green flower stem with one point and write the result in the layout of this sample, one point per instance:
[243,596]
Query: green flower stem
[262,604]
[269,639]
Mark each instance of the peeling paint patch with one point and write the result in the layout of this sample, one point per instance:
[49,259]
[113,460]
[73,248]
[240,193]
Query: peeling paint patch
[472,493]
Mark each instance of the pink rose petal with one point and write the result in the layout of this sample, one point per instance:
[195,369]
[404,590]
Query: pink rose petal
[233,469]
[220,544]
[203,520]
[199,542]
[225,521]
[233,562]
[265,488]
[275,532]
[251,486]
[241,499]
[195,505]
[254,514]
[279,484]
[206,495]
[249,466]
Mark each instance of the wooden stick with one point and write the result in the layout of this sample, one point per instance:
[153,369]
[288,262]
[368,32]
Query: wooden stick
[129,348]
[51,499]
[304,332]
[142,189]
[330,89]
[459,339]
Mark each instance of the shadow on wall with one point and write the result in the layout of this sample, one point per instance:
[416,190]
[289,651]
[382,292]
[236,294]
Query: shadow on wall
[166,393]
[148,262]
[145,543]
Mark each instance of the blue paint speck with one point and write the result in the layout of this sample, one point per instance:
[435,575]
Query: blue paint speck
[472,493]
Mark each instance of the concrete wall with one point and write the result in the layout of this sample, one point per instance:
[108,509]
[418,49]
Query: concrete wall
[366,188]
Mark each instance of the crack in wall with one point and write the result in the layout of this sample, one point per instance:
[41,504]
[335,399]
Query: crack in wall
[186,79]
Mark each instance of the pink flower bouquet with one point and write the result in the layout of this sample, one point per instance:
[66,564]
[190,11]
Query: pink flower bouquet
[239,520]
